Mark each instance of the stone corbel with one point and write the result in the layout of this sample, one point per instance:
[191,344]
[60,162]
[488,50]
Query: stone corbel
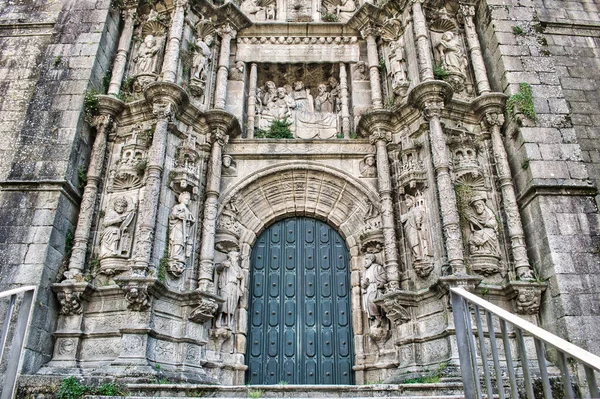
[137,292]
[528,296]
[395,309]
[205,309]
[71,296]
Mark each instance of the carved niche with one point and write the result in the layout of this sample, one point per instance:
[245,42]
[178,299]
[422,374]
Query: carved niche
[117,233]
[185,175]
[129,170]
[200,57]
[396,80]
[228,228]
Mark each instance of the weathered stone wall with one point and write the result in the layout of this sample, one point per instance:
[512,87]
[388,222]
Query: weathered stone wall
[51,52]
[554,159]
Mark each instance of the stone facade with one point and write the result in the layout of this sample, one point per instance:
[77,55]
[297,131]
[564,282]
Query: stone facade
[148,145]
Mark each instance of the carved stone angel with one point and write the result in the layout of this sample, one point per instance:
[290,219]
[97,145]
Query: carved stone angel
[202,57]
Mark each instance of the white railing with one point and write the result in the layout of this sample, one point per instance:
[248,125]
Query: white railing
[468,351]
[18,335]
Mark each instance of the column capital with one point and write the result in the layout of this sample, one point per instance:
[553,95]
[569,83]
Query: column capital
[493,119]
[226,30]
[430,96]
[433,108]
[102,121]
[370,30]
[163,110]
[380,135]
[218,136]
[466,11]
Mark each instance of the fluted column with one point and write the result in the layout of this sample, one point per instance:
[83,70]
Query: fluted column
[422,39]
[373,61]
[252,100]
[494,121]
[226,33]
[213,188]
[164,112]
[467,12]
[432,110]
[344,100]
[171,60]
[381,139]
[103,124]
[118,70]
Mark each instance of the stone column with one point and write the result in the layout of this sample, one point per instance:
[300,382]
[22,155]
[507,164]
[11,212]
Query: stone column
[251,100]
[118,70]
[345,100]
[369,34]
[380,139]
[494,121]
[213,188]
[422,39]
[146,224]
[467,12]
[171,60]
[432,111]
[90,193]
[109,108]
[226,33]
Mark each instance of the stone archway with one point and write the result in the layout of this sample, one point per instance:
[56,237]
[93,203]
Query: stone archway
[301,189]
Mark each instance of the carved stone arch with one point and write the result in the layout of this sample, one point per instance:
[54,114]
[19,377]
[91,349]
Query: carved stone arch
[302,189]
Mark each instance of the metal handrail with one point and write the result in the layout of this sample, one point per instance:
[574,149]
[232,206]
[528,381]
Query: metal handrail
[19,333]
[467,350]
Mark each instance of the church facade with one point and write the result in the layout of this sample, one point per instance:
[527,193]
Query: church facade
[283,191]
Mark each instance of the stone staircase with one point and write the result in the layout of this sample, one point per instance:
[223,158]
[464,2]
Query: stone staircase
[447,388]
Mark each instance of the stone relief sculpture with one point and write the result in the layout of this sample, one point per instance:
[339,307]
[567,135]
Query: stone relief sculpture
[237,72]
[185,175]
[147,56]
[115,239]
[337,10]
[200,63]
[413,224]
[360,71]
[451,57]
[180,235]
[373,284]
[483,242]
[231,288]
[367,166]
[228,166]
[259,10]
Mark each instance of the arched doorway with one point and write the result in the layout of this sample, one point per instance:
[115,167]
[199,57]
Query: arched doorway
[300,328]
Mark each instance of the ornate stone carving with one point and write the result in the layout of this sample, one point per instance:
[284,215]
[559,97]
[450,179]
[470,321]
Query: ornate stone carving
[229,166]
[117,233]
[164,110]
[228,229]
[259,10]
[70,302]
[201,61]
[371,236]
[528,300]
[128,172]
[367,166]
[373,282]
[416,234]
[146,60]
[237,72]
[137,297]
[359,72]
[180,235]
[231,288]
[395,310]
[185,175]
[341,9]
[484,246]
[204,311]
[398,68]
[451,57]
[409,168]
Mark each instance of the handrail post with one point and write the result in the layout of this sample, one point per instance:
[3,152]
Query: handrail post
[466,366]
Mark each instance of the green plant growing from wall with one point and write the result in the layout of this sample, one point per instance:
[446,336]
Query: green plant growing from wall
[91,104]
[279,129]
[440,72]
[81,177]
[71,388]
[329,17]
[56,61]
[523,101]
[141,166]
[162,266]
[256,393]
[517,30]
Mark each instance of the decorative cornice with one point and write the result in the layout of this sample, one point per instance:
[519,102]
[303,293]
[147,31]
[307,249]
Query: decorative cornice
[430,91]
[377,120]
[489,103]
[286,40]
[230,13]
[110,105]
[223,121]
[366,15]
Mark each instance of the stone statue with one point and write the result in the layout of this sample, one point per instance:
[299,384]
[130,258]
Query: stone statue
[345,9]
[231,288]
[280,106]
[451,54]
[334,92]
[367,166]
[180,235]
[397,63]
[252,9]
[202,56]
[360,71]
[237,72]
[373,284]
[147,56]
[412,221]
[323,102]
[302,97]
[270,94]
[228,166]
[115,223]
[484,229]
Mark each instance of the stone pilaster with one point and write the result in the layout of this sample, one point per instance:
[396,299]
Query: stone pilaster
[467,12]
[129,13]
[109,108]
[369,35]
[422,38]
[430,98]
[345,100]
[381,139]
[252,100]
[227,33]
[490,109]
[171,60]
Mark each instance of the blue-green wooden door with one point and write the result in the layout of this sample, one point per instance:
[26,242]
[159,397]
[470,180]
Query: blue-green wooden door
[300,324]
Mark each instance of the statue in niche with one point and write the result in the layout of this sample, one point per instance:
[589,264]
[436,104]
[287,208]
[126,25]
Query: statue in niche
[397,63]
[202,57]
[237,72]
[323,101]
[334,92]
[304,101]
[180,235]
[414,228]
[484,229]
[270,94]
[360,71]
[228,166]
[367,166]
[115,238]
[231,288]
[147,56]
[373,284]
[451,54]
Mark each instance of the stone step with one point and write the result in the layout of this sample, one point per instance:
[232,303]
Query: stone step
[450,389]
